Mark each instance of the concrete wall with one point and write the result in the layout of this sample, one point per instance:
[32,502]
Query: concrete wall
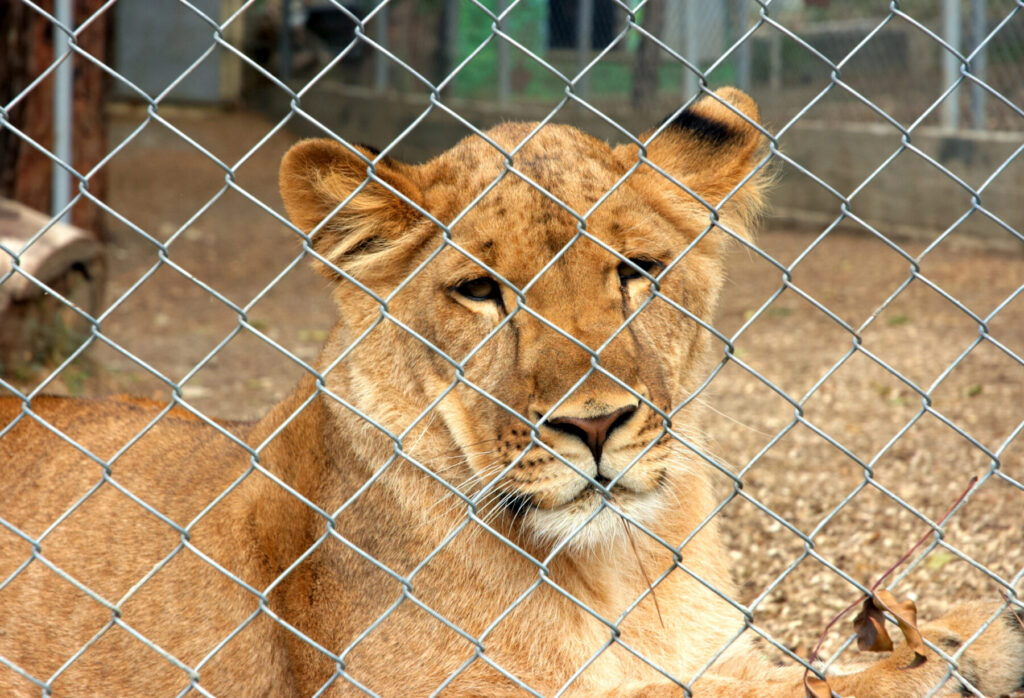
[907,198]
[155,42]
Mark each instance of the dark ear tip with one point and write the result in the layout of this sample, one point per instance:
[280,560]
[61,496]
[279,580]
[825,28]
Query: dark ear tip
[713,119]
[713,132]
[371,153]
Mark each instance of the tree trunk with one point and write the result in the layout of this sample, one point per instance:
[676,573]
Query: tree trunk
[26,43]
[645,71]
[15,23]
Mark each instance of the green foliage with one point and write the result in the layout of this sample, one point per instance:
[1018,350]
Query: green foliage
[526,23]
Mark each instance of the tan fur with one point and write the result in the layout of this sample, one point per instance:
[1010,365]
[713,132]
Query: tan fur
[333,531]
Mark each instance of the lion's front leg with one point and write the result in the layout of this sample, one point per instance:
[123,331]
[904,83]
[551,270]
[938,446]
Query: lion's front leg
[714,687]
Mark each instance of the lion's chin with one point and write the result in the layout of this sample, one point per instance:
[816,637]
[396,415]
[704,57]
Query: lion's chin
[589,522]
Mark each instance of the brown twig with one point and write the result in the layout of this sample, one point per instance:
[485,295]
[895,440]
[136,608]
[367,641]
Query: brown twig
[922,539]
[839,616]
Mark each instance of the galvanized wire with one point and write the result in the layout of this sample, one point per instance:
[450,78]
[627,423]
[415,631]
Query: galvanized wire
[763,21]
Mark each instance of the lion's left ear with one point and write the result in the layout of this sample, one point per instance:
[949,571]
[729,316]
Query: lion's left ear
[710,147]
[375,227]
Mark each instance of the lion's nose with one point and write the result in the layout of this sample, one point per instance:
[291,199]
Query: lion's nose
[593,431]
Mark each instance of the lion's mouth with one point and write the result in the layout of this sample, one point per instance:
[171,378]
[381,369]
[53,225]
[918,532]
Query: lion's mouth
[520,503]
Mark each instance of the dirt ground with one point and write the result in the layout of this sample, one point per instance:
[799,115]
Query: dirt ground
[859,469]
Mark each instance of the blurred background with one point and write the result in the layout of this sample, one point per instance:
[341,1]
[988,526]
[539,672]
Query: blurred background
[143,249]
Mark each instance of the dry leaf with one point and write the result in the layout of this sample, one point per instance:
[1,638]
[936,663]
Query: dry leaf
[815,687]
[906,617]
[870,622]
[870,628]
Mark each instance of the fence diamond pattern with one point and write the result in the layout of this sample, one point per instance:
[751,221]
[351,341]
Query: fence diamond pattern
[365,37]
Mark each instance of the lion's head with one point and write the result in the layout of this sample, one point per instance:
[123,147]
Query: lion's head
[543,347]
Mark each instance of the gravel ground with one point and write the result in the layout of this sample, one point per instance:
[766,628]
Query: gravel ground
[862,491]
[919,462]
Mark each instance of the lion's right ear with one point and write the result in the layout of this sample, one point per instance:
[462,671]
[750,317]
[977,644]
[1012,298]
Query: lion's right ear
[370,230]
[711,147]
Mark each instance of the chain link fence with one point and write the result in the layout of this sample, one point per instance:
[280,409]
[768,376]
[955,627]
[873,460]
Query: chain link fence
[863,369]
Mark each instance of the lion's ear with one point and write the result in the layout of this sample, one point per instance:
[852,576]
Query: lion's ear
[710,147]
[317,175]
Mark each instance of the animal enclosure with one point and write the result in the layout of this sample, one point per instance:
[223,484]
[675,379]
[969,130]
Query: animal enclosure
[866,380]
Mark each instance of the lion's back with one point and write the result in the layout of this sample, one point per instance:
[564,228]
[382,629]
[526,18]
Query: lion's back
[98,496]
[54,453]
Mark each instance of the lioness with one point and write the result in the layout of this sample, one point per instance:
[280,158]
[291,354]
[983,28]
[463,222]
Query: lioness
[477,491]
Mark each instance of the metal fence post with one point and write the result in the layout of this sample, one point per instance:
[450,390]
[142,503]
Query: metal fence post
[734,27]
[691,47]
[584,41]
[775,61]
[382,69]
[951,33]
[504,67]
[979,66]
[284,44]
[63,98]
[451,34]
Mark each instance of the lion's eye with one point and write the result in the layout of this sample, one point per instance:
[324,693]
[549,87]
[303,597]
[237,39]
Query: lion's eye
[628,272]
[482,289]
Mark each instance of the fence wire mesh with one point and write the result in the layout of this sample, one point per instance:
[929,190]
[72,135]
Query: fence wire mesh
[841,426]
